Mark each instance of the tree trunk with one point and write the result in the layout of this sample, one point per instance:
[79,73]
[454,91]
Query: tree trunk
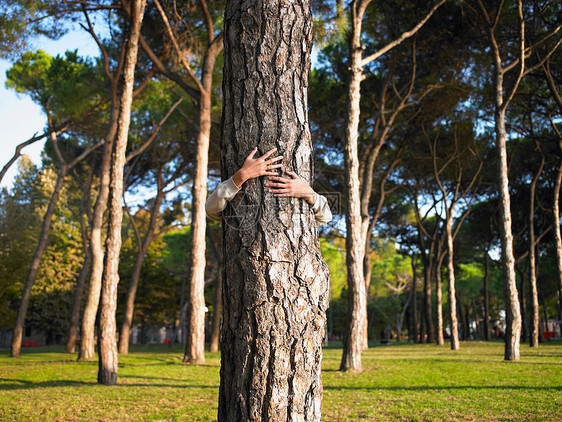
[427,318]
[195,347]
[534,323]
[557,234]
[137,267]
[36,261]
[87,333]
[452,290]
[275,282]
[107,339]
[81,281]
[486,295]
[523,303]
[414,301]
[439,294]
[513,315]
[354,240]
[216,324]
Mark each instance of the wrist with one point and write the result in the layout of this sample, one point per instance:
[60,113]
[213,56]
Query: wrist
[239,178]
[311,198]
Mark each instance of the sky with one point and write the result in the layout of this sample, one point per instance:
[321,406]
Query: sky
[20,118]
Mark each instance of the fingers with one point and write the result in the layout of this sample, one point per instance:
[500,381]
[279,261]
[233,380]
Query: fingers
[274,159]
[276,185]
[268,153]
[292,174]
[279,179]
[252,153]
[274,166]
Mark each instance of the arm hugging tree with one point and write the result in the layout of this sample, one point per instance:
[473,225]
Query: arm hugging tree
[275,281]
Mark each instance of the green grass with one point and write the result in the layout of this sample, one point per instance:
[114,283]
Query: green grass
[401,383]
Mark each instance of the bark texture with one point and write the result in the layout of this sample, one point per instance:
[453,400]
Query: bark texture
[108,358]
[275,281]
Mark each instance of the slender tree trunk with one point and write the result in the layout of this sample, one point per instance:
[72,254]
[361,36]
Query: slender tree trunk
[452,288]
[137,267]
[535,317]
[275,282]
[513,314]
[107,339]
[87,333]
[81,281]
[414,300]
[35,262]
[557,234]
[439,294]
[427,317]
[486,291]
[195,347]
[523,304]
[355,243]
[216,324]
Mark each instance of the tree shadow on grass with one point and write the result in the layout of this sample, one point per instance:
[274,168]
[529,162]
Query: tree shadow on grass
[450,387]
[17,384]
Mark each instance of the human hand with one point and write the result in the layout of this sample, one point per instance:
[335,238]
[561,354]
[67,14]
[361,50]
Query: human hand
[294,187]
[255,167]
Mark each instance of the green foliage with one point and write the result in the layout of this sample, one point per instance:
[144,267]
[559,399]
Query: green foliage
[19,230]
[68,87]
[20,219]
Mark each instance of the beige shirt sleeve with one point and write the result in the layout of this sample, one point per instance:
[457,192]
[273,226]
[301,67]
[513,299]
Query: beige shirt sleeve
[322,210]
[227,190]
[217,201]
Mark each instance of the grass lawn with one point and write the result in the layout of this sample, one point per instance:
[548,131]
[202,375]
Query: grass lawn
[401,383]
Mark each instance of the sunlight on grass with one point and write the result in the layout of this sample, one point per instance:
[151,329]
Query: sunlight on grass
[402,382]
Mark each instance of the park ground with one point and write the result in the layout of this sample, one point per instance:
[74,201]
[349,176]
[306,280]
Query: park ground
[404,382]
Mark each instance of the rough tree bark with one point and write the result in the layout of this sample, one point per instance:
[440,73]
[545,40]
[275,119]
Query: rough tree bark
[275,281]
[108,357]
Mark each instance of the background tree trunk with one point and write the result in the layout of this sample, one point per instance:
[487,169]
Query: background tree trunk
[486,293]
[137,267]
[108,358]
[36,261]
[451,274]
[534,323]
[87,333]
[81,281]
[275,282]
[439,294]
